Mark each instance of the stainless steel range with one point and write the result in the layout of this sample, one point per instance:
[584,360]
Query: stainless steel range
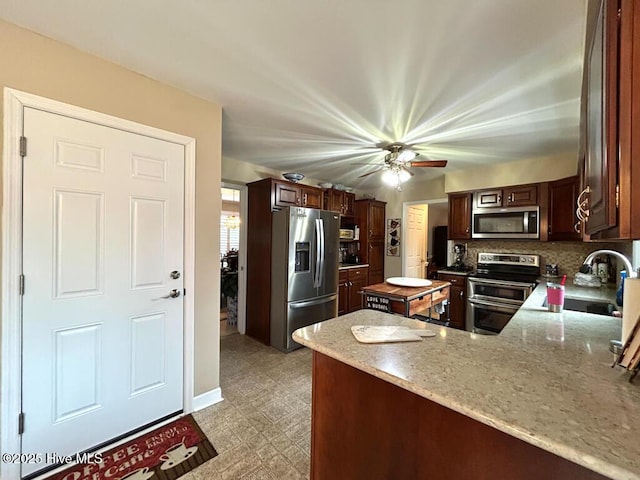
[501,284]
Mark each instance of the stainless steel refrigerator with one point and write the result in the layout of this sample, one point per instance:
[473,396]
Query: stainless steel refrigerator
[304,271]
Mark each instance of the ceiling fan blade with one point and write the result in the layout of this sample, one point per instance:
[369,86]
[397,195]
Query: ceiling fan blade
[408,171]
[371,173]
[429,163]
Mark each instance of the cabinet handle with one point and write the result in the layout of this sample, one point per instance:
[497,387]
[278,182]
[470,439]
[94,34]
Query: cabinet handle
[499,198]
[304,199]
[461,294]
[582,210]
[577,228]
[510,197]
[466,230]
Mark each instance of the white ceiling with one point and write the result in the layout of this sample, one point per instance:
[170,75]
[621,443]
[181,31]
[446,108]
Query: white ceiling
[314,86]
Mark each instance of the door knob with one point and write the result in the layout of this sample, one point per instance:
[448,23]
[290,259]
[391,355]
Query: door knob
[175,274]
[175,293]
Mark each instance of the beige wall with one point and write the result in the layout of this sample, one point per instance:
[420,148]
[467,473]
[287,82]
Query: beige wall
[38,65]
[239,172]
[512,173]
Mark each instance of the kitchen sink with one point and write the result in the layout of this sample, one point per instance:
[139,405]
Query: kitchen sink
[599,307]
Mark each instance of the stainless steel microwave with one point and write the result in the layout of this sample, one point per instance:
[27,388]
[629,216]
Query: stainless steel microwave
[514,222]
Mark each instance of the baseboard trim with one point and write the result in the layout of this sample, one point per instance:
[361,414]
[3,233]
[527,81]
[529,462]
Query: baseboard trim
[207,399]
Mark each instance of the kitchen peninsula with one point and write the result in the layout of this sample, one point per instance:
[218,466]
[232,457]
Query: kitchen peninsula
[538,401]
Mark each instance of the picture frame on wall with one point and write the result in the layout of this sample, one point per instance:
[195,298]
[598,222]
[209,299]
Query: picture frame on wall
[393,237]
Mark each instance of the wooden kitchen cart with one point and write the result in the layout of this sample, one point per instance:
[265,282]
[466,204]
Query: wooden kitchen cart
[407,301]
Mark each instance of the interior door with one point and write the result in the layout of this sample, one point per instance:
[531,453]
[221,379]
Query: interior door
[414,251]
[103,230]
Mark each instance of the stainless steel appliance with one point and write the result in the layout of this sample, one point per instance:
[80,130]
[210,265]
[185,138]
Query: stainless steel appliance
[513,222]
[501,284]
[304,271]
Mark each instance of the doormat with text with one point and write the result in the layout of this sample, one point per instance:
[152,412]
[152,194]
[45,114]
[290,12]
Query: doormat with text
[165,453]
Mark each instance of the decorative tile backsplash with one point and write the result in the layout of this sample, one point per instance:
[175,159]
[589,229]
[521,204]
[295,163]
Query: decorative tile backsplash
[568,255]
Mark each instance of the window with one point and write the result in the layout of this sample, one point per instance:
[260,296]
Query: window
[229,220]
[229,237]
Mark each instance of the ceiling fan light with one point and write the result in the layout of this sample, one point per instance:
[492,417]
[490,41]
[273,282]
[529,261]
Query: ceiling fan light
[394,177]
[406,155]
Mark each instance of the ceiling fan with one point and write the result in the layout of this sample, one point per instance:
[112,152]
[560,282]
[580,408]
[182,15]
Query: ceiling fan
[397,163]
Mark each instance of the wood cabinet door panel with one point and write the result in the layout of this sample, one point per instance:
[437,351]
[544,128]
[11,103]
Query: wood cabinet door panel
[286,195]
[377,224]
[601,153]
[343,292]
[459,216]
[355,285]
[457,299]
[311,197]
[376,262]
[562,212]
[488,199]
[521,196]
[334,200]
[349,204]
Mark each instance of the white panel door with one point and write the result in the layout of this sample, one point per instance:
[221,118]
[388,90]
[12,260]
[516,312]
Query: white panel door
[414,245]
[103,230]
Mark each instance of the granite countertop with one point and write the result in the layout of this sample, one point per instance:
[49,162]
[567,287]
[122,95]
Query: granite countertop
[344,266]
[546,379]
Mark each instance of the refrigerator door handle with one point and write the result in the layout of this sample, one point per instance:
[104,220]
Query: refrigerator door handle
[316,276]
[322,253]
[317,301]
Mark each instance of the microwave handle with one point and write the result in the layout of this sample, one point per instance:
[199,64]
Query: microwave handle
[526,222]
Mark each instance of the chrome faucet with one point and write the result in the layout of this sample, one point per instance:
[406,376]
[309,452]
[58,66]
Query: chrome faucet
[627,263]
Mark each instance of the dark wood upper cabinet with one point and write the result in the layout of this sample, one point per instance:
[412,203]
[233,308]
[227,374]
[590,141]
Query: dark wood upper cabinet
[460,216]
[563,223]
[488,199]
[611,137]
[517,196]
[286,194]
[520,196]
[289,194]
[310,197]
[339,201]
[602,119]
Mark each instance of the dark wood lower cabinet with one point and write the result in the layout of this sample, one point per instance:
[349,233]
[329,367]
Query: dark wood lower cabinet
[457,299]
[365,428]
[350,282]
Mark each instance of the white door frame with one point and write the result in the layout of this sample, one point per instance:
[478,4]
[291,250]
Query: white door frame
[242,257]
[11,353]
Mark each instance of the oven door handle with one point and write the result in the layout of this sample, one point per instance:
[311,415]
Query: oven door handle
[501,283]
[498,306]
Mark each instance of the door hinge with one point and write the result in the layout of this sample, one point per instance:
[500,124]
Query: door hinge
[184,291]
[23,146]
[21,286]
[20,423]
[618,196]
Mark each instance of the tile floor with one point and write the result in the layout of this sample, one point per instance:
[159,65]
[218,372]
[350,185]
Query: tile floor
[262,429]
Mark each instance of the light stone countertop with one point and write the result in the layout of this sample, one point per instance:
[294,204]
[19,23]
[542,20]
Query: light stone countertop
[546,379]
